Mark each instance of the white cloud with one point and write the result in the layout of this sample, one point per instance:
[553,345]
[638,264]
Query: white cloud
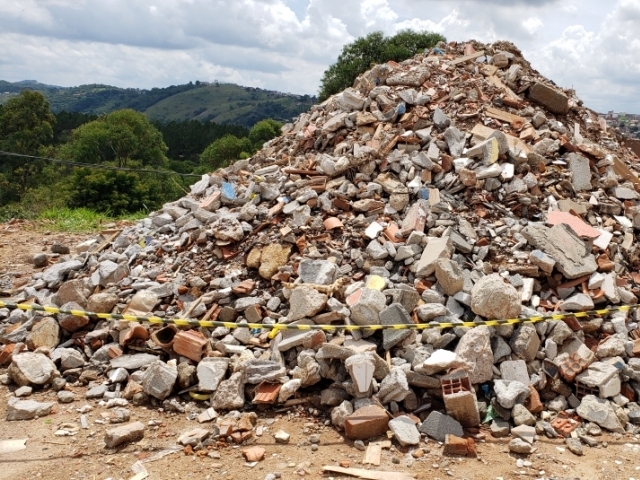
[287,44]
[532,25]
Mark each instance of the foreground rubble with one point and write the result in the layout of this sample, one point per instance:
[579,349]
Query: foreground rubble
[455,187]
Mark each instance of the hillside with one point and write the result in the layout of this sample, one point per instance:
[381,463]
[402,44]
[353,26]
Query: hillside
[218,102]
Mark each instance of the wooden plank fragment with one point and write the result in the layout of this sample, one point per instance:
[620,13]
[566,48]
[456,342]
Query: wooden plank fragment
[466,58]
[369,474]
[372,454]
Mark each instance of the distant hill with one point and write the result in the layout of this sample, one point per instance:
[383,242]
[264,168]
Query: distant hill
[218,102]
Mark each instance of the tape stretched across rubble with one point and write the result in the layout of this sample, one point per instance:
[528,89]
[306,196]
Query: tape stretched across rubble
[189,322]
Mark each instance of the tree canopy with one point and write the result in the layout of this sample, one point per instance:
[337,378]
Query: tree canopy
[360,55]
[263,131]
[119,137]
[225,150]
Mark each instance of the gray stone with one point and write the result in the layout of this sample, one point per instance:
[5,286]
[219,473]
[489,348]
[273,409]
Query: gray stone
[366,311]
[522,416]
[440,119]
[577,303]
[449,275]
[65,396]
[306,302]
[340,413]
[515,370]
[405,431]
[102,302]
[394,314]
[132,432]
[438,426]
[96,392]
[572,257]
[133,362]
[230,393]
[394,387]
[71,291]
[574,446]
[40,260]
[524,432]
[118,375]
[210,372]
[525,342]
[193,437]
[560,332]
[499,428]
[474,349]
[31,369]
[436,248]
[600,411]
[70,358]
[613,346]
[45,333]
[493,298]
[510,392]
[56,273]
[27,409]
[520,446]
[455,141]
[111,272]
[542,261]
[429,311]
[23,391]
[321,272]
[258,371]
[159,379]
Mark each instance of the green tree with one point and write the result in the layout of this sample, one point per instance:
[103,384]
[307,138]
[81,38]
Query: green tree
[224,150]
[264,131]
[119,137]
[26,125]
[360,55]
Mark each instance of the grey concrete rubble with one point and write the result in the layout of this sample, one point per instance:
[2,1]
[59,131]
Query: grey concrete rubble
[447,190]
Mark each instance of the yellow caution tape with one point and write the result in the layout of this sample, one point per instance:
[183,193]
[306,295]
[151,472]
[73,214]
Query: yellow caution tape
[186,322]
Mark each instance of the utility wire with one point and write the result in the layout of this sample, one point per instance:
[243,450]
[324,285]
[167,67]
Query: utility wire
[97,165]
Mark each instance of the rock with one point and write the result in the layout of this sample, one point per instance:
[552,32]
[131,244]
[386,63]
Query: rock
[440,119]
[230,394]
[510,392]
[306,302]
[574,446]
[56,273]
[133,362]
[522,416]
[27,409]
[72,323]
[31,369]
[449,276]
[40,260]
[474,349]
[517,445]
[102,302]
[70,358]
[272,258]
[340,413]
[524,432]
[525,342]
[158,380]
[438,426]
[394,314]
[71,291]
[577,303]
[613,346]
[96,392]
[455,141]
[210,372]
[281,436]
[394,387]
[193,437]
[552,99]
[429,311]
[439,361]
[436,248]
[492,298]
[45,333]
[23,392]
[65,396]
[499,428]
[366,310]
[320,272]
[131,432]
[569,252]
[597,410]
[405,431]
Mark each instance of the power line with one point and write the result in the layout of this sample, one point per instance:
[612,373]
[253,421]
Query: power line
[97,165]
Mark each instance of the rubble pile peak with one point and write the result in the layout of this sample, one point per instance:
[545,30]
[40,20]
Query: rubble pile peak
[457,186]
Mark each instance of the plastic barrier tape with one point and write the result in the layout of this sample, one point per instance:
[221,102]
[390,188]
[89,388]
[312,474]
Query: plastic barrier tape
[184,322]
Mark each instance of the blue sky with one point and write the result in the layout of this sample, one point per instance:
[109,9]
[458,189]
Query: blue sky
[592,46]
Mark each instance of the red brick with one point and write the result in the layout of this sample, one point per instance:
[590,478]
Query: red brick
[366,422]
[534,405]
[190,344]
[464,447]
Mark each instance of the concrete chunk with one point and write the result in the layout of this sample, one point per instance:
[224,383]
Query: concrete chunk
[132,432]
[552,99]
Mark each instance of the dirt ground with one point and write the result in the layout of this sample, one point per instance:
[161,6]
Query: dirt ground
[82,456]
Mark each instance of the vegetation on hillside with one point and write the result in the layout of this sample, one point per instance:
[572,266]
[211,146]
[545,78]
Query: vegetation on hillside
[360,55]
[215,102]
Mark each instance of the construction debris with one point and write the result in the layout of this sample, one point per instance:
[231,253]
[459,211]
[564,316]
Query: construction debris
[455,187]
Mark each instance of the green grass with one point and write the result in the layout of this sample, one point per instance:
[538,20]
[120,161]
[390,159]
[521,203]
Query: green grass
[79,220]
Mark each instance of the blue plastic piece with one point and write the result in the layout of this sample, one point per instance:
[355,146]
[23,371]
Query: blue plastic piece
[228,191]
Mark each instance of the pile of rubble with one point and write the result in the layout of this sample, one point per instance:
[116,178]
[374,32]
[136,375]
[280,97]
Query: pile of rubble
[456,186]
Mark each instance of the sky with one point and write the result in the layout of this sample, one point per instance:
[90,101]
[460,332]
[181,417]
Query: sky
[592,46]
